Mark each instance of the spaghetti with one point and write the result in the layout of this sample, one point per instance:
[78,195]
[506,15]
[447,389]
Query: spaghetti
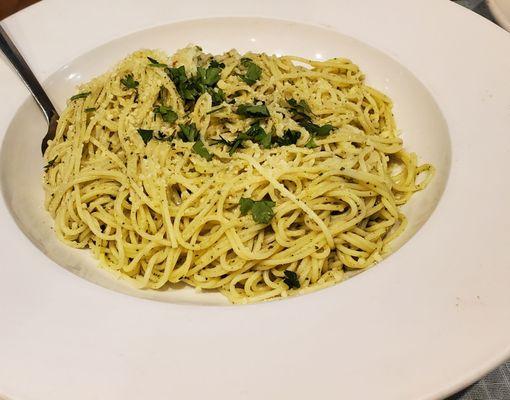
[258,176]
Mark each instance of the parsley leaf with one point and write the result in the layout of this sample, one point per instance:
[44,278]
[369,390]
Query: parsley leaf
[254,111]
[291,279]
[216,64]
[261,210]
[300,107]
[217,96]
[245,204]
[146,134]
[50,164]
[189,133]
[288,138]
[163,138]
[201,150]
[167,114]
[156,63]
[320,131]
[253,73]
[80,96]
[129,82]
[215,109]
[311,142]
[212,76]
[257,134]
[90,109]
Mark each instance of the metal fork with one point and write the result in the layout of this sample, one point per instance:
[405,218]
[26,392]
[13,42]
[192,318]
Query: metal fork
[28,77]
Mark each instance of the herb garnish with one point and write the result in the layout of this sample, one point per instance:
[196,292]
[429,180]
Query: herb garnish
[291,279]
[80,96]
[311,142]
[253,111]
[253,71]
[261,210]
[156,63]
[90,109]
[255,133]
[201,150]
[146,134]
[288,138]
[167,114]
[50,164]
[129,82]
[215,109]
[302,115]
[190,88]
[189,133]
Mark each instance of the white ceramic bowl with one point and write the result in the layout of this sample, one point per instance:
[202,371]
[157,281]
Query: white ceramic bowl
[428,320]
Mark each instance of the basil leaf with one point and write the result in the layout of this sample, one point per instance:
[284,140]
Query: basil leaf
[246,205]
[146,134]
[80,96]
[167,114]
[291,279]
[156,63]
[201,150]
[129,82]
[189,133]
[253,111]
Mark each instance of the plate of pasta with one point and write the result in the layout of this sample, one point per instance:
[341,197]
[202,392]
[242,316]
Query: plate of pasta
[285,204]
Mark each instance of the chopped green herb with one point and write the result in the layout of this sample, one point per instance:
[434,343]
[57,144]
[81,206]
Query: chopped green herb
[80,96]
[253,111]
[163,95]
[129,82]
[246,205]
[167,114]
[291,279]
[261,210]
[216,64]
[300,107]
[50,164]
[311,142]
[156,63]
[163,138]
[201,150]
[146,134]
[253,73]
[189,133]
[212,76]
[90,109]
[320,131]
[258,135]
[288,138]
[215,109]
[217,96]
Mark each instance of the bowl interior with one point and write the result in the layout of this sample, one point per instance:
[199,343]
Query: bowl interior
[422,125]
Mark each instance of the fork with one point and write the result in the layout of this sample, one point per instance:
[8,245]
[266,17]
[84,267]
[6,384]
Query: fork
[33,85]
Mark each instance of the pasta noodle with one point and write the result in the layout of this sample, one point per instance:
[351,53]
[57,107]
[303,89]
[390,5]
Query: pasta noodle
[258,176]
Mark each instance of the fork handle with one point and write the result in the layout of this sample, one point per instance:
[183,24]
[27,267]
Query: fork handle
[28,77]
